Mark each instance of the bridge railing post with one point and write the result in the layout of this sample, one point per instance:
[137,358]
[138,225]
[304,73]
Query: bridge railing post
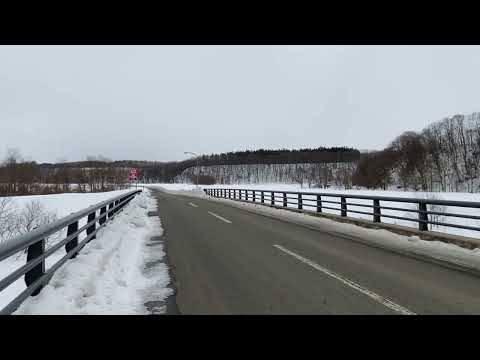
[377,213]
[34,251]
[102,220]
[422,217]
[110,212]
[319,203]
[253,195]
[91,228]
[262,197]
[272,200]
[72,228]
[284,199]
[300,202]
[343,210]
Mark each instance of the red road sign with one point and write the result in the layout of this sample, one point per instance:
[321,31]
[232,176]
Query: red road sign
[133,175]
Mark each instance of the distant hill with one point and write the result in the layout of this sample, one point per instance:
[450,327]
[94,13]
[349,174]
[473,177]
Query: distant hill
[154,171]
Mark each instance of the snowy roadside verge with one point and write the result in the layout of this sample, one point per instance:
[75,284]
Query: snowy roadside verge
[437,251]
[109,275]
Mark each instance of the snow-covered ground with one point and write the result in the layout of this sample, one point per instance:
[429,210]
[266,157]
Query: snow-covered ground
[405,194]
[65,204]
[108,276]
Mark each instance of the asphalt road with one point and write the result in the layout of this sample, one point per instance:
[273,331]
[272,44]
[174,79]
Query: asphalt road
[225,260]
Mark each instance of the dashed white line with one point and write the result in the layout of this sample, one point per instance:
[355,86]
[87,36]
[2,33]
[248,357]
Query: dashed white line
[378,298]
[192,204]
[219,217]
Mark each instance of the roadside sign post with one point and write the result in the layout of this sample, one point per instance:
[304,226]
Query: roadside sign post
[133,176]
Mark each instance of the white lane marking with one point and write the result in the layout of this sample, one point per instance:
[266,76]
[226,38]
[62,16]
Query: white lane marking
[378,298]
[192,204]
[219,217]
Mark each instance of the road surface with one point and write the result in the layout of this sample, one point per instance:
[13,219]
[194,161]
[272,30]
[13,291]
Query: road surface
[225,260]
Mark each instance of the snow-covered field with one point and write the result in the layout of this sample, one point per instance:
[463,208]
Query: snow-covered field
[108,276]
[405,194]
[67,203]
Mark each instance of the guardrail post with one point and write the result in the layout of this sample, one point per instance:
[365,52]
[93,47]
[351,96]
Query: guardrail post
[110,212]
[91,228]
[284,199]
[262,197]
[343,206]
[102,220]
[422,217]
[272,200]
[319,203]
[73,227]
[253,195]
[300,202]
[377,213]
[34,251]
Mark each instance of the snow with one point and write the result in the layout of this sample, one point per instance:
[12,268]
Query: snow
[436,250]
[67,203]
[109,275]
[405,194]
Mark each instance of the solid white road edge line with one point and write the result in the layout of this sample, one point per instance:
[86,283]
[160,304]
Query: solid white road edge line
[192,204]
[378,298]
[219,217]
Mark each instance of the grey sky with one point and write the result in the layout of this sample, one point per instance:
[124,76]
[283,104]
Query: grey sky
[155,102]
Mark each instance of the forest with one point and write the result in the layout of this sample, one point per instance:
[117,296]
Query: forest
[445,156]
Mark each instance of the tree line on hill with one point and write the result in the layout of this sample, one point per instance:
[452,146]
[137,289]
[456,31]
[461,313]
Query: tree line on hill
[23,177]
[445,156]
[338,174]
[168,172]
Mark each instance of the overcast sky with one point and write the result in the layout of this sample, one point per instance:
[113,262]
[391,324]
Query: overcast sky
[155,102]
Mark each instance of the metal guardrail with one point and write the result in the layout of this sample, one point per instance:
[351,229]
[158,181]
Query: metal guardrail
[318,204]
[34,241]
